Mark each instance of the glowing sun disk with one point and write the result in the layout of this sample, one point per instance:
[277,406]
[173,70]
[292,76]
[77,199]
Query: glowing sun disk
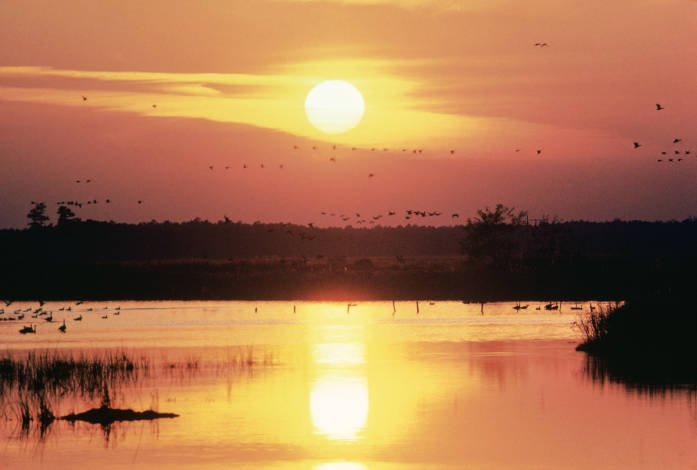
[334,106]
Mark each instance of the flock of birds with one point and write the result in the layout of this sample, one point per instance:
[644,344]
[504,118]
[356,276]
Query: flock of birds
[678,155]
[667,156]
[47,315]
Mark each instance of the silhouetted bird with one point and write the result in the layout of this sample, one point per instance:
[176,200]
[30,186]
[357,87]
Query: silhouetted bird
[637,145]
[539,151]
[154,106]
[140,202]
[78,318]
[62,327]
[659,107]
[84,98]
[676,140]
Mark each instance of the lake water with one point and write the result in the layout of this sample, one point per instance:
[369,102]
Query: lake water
[332,387]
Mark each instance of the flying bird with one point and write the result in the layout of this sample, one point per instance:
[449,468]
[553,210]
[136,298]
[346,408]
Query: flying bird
[637,145]
[539,151]
[84,98]
[659,107]
[677,141]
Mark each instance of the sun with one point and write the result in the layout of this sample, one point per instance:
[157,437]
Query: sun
[334,106]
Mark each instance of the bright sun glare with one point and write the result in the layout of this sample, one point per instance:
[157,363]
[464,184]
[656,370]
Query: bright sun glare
[334,106]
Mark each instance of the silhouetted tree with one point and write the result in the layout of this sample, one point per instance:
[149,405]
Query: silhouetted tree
[37,215]
[495,236]
[65,215]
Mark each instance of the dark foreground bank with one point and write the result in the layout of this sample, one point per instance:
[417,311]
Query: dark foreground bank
[649,340]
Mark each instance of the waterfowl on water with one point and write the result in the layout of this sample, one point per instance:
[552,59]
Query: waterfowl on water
[28,329]
[62,328]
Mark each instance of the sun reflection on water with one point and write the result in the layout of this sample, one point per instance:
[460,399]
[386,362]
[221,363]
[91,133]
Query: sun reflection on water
[339,395]
[339,406]
[339,354]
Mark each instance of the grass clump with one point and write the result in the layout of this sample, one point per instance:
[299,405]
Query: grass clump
[645,340]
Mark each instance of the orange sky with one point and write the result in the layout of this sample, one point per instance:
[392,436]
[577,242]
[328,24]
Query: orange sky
[229,79]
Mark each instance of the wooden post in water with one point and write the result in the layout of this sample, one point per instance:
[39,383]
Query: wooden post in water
[417,307]
[394,309]
[482,309]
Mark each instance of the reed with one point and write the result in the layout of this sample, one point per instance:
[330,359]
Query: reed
[52,373]
[650,340]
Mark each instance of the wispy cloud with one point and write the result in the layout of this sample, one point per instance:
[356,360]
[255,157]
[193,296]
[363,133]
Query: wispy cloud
[394,113]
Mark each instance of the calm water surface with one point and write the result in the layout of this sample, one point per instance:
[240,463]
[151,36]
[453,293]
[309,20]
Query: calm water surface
[322,389]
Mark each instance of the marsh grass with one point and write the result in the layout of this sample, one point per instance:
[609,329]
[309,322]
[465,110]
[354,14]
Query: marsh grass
[33,385]
[52,374]
[648,342]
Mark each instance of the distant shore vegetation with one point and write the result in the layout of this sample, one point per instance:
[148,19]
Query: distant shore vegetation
[497,255]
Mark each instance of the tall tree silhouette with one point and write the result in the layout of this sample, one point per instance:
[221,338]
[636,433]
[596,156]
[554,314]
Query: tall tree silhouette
[65,215]
[494,236]
[37,215]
